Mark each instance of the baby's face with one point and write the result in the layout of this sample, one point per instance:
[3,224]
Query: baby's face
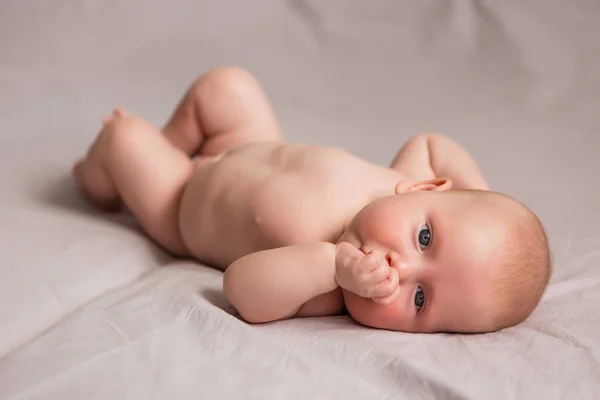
[445,247]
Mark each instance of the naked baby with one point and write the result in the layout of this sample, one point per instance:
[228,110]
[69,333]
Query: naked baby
[421,246]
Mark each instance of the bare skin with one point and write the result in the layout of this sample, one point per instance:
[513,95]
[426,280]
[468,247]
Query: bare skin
[286,222]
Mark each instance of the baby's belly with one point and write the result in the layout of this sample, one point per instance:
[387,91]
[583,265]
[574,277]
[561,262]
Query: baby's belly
[222,220]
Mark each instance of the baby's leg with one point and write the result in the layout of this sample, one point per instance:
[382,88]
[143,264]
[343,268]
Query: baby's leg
[430,156]
[223,109]
[133,161]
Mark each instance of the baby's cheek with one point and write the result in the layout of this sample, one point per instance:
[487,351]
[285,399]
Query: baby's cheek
[368,313]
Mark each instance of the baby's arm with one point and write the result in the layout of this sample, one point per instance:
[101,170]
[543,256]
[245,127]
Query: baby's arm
[275,284]
[302,280]
[430,156]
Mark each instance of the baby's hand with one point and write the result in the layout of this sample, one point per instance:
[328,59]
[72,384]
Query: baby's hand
[367,276]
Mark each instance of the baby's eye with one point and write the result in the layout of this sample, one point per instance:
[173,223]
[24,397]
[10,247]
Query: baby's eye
[424,237]
[419,298]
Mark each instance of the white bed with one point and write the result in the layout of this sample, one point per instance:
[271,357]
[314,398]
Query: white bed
[90,308]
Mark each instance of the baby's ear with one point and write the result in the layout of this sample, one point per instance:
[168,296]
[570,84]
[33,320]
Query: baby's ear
[438,185]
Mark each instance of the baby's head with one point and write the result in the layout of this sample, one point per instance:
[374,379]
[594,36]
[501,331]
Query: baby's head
[467,260]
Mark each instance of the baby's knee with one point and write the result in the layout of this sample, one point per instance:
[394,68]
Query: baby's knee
[125,132]
[427,137]
[223,81]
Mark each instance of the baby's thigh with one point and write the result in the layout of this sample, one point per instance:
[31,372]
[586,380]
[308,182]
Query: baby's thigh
[234,110]
[244,135]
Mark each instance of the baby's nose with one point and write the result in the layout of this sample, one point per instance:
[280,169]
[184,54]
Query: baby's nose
[388,258]
[402,265]
[380,254]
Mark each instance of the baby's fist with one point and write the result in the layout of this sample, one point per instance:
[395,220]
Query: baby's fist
[367,275]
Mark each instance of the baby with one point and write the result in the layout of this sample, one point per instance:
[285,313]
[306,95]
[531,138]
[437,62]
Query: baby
[312,231]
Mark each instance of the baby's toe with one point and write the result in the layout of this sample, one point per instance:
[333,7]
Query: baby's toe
[119,112]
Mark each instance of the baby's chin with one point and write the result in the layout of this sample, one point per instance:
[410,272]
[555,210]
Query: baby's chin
[369,313]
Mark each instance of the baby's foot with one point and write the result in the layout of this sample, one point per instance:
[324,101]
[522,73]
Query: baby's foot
[96,185]
[117,113]
[91,176]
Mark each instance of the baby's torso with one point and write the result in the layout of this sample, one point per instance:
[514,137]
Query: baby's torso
[269,195]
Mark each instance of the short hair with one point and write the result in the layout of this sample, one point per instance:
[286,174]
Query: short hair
[519,282]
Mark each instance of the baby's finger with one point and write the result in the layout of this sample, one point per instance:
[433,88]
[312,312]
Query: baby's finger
[387,286]
[347,254]
[373,261]
[379,274]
